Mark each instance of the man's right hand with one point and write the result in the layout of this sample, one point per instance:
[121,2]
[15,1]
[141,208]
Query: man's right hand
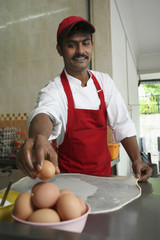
[33,152]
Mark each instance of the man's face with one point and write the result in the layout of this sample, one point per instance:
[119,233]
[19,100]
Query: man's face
[76,51]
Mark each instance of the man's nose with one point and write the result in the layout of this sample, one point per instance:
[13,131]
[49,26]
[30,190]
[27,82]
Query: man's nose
[80,48]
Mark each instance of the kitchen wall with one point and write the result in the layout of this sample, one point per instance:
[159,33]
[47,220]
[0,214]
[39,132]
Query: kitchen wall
[28,56]
[124,68]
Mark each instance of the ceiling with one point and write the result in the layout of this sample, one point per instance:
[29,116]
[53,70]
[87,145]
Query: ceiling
[141,21]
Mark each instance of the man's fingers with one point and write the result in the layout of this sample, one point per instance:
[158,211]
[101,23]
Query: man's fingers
[146,172]
[142,170]
[24,159]
[53,157]
[27,154]
[41,149]
[57,170]
[33,152]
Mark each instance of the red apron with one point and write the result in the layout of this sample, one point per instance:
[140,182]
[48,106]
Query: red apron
[84,149]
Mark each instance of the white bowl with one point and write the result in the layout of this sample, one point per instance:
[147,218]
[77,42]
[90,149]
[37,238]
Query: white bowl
[74,225]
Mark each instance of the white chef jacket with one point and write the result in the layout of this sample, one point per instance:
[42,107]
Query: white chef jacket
[53,101]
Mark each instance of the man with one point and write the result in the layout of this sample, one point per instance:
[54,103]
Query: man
[75,109]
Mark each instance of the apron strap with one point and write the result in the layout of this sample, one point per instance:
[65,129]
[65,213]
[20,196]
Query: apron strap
[67,90]
[99,90]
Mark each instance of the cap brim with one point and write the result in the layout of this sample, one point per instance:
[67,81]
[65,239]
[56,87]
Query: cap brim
[86,23]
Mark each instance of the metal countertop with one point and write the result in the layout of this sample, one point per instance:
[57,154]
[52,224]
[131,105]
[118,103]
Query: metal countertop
[138,220]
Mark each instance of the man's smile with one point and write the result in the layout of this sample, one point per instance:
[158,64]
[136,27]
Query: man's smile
[79,57]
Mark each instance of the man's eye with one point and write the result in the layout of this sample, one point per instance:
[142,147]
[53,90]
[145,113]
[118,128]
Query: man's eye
[86,43]
[70,45]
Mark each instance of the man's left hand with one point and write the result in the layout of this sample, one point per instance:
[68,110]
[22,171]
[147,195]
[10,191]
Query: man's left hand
[141,170]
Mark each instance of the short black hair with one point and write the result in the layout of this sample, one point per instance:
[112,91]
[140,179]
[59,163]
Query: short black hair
[79,27]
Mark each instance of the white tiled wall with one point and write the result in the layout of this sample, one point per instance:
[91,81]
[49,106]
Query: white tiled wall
[28,56]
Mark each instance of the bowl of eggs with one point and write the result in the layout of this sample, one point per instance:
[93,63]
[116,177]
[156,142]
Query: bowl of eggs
[47,205]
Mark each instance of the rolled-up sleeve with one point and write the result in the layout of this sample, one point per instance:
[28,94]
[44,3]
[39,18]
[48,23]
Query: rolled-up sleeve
[117,114]
[56,122]
[47,102]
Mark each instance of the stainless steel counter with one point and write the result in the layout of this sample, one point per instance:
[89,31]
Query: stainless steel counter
[138,220]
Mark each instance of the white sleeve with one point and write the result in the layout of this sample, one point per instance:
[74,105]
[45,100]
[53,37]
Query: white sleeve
[117,114]
[56,122]
[49,102]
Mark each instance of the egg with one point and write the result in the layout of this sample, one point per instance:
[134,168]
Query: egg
[47,172]
[45,195]
[23,206]
[44,215]
[83,206]
[36,186]
[64,191]
[68,207]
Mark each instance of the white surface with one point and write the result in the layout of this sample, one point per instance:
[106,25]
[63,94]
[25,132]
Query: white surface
[103,194]
[6,202]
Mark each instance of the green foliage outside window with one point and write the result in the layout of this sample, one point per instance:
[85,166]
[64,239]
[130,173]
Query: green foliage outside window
[150,103]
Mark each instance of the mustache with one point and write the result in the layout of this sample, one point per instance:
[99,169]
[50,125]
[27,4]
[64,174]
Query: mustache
[79,56]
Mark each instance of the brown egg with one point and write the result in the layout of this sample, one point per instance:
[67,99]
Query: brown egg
[45,195]
[68,207]
[23,206]
[83,206]
[44,215]
[64,191]
[47,172]
[36,186]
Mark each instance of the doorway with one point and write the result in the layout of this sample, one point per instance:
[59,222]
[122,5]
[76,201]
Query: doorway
[149,103]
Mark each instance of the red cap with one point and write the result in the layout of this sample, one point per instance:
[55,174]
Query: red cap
[68,23]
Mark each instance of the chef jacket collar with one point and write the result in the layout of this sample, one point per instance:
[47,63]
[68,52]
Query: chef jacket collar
[74,80]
